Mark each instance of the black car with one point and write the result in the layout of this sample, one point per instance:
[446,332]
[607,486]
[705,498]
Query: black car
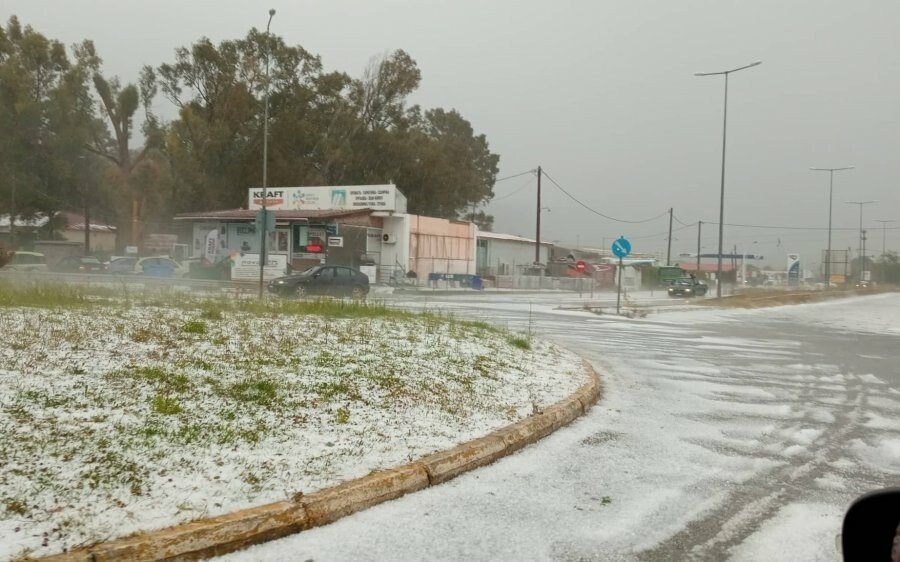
[687,287]
[77,264]
[330,280]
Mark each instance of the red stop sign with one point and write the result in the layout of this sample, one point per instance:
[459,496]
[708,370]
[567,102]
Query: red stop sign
[580,265]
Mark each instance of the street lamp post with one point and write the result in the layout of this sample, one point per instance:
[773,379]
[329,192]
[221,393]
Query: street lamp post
[862,257]
[831,172]
[265,166]
[722,189]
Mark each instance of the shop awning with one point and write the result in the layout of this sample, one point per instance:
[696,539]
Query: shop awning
[249,215]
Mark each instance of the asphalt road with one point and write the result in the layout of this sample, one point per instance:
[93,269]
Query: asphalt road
[721,435]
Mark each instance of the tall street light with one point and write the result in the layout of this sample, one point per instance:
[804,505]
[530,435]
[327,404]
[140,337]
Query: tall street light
[862,258]
[264,223]
[722,191]
[831,172]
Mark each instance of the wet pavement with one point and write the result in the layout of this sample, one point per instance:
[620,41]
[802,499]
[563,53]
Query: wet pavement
[720,434]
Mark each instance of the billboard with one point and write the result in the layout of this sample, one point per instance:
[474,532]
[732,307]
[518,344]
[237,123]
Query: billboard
[793,269]
[329,198]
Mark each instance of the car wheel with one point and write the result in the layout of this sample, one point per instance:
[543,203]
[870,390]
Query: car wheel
[358,293]
[300,291]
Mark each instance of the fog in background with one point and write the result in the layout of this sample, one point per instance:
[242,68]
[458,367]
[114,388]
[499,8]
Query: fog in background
[602,95]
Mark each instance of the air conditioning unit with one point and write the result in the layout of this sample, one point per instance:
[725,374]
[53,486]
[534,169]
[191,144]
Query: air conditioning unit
[389,238]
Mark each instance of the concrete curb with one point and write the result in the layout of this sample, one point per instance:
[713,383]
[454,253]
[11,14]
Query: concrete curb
[213,536]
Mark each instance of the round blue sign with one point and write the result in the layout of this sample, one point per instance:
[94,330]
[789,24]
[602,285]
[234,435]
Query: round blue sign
[621,247]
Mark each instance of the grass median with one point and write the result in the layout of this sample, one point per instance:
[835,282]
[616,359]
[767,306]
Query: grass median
[126,412]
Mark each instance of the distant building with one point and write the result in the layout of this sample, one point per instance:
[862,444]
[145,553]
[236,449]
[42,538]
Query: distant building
[66,226]
[507,254]
[360,226]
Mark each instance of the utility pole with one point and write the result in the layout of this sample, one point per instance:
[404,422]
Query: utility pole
[862,274]
[84,178]
[669,247]
[862,235]
[883,246]
[699,228]
[537,240]
[87,227]
[12,216]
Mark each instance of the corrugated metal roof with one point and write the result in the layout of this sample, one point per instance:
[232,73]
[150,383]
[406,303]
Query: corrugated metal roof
[250,214]
[510,237]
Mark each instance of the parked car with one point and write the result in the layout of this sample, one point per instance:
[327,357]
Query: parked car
[687,287]
[78,264]
[160,266]
[331,280]
[26,261]
[121,265]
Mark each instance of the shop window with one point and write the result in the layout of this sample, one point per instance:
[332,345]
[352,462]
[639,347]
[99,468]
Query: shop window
[301,237]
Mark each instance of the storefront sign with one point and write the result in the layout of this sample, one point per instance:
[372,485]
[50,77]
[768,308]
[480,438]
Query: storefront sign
[246,267]
[375,197]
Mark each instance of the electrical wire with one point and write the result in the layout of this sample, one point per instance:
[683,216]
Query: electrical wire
[527,183]
[663,233]
[598,213]
[679,221]
[779,227]
[514,176]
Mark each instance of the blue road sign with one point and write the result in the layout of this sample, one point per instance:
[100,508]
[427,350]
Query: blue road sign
[621,247]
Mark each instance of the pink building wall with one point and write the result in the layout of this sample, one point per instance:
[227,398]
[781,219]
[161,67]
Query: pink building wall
[440,246]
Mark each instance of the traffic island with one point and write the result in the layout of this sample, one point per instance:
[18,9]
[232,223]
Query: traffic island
[215,536]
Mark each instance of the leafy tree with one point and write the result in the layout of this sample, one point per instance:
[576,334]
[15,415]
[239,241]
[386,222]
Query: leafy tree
[46,119]
[324,128]
[481,219]
[119,105]
[68,141]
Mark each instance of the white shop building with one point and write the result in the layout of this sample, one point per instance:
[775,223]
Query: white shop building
[359,225]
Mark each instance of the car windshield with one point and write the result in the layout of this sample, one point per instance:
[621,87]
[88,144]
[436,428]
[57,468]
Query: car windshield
[309,271]
[687,282]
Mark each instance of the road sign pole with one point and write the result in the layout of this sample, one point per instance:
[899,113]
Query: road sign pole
[619,293]
[620,248]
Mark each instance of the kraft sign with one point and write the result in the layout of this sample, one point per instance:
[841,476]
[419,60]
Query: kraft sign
[329,198]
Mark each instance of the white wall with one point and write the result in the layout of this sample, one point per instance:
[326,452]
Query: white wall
[395,256]
[509,254]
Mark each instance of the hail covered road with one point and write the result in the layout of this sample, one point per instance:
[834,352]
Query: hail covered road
[721,435]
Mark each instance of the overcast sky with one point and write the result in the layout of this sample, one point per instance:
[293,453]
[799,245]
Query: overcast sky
[602,95]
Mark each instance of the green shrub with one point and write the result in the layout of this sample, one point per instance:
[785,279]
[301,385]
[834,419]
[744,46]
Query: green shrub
[194,327]
[520,342]
[165,405]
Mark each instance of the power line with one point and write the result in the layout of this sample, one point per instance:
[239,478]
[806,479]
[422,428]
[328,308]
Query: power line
[679,221]
[514,176]
[663,233]
[598,213]
[515,191]
[779,227]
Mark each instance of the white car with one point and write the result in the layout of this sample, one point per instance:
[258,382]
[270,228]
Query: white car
[161,266]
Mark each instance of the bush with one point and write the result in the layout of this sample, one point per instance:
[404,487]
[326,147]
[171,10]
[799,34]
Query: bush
[194,327]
